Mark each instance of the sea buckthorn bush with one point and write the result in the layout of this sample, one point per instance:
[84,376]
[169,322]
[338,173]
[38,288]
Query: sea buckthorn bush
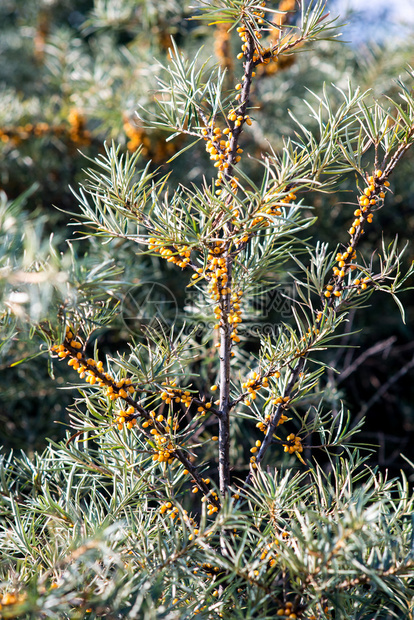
[204,474]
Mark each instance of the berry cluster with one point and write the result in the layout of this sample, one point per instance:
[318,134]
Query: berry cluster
[16,135]
[124,418]
[11,598]
[92,371]
[263,426]
[219,147]
[216,273]
[172,393]
[294,445]
[172,512]
[177,254]
[75,133]
[254,384]
[204,408]
[78,132]
[263,220]
[287,611]
[211,508]
[209,569]
[234,315]
[243,32]
[269,551]
[159,435]
[222,46]
[222,143]
[284,201]
[153,146]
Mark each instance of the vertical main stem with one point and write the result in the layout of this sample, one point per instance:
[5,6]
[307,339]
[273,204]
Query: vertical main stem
[225,355]
[225,301]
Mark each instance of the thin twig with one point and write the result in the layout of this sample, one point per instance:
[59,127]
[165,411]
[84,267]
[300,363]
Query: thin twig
[376,348]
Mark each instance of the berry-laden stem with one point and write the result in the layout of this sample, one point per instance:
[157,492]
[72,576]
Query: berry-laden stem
[74,350]
[238,119]
[276,418]
[242,107]
[371,196]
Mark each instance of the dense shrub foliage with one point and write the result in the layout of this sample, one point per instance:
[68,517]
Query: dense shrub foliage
[198,318]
